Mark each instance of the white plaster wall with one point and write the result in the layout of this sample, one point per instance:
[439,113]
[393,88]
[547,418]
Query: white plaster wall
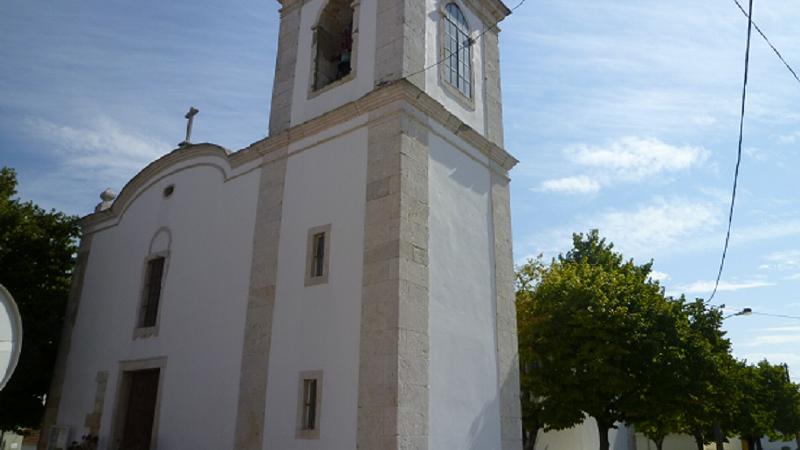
[201,316]
[584,437]
[434,84]
[305,108]
[464,406]
[318,327]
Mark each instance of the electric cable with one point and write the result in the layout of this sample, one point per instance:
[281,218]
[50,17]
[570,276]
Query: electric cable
[783,316]
[739,152]
[774,49]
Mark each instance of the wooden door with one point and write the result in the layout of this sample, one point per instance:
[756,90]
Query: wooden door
[141,409]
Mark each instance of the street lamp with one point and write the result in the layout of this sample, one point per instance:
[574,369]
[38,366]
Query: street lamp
[743,312]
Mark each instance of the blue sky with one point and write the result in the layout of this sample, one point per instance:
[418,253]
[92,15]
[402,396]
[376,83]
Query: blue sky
[624,116]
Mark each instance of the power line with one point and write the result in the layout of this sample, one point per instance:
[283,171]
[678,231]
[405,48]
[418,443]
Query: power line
[783,316]
[469,43]
[739,152]
[774,49]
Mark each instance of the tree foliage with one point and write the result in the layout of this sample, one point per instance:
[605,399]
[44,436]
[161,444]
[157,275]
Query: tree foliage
[588,335]
[36,256]
[598,337]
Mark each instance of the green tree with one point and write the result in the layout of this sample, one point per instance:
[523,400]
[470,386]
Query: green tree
[660,408]
[756,412]
[589,336]
[711,391]
[537,404]
[787,407]
[36,257]
[527,277]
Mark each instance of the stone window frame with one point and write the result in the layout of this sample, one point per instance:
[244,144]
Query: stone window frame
[121,403]
[140,331]
[300,432]
[313,92]
[467,102]
[312,232]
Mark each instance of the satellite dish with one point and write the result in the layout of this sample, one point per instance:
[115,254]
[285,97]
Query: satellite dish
[10,336]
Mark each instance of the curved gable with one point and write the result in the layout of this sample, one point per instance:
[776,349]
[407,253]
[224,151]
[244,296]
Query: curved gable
[184,158]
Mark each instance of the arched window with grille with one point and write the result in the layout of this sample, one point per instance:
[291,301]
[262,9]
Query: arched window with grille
[457,50]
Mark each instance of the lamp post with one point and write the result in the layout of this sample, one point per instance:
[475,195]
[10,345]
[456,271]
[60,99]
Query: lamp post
[719,438]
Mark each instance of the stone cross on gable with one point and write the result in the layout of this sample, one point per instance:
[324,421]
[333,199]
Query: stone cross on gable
[190,118]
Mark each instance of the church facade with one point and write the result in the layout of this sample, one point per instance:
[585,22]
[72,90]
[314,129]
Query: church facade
[346,282]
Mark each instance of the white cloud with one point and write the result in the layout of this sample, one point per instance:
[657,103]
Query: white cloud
[784,329]
[706,286]
[628,159]
[755,153]
[659,276]
[662,224]
[85,160]
[782,260]
[704,120]
[571,185]
[765,230]
[635,158]
[104,145]
[773,339]
[789,138]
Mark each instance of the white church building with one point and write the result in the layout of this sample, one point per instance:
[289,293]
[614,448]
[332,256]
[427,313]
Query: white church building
[344,283]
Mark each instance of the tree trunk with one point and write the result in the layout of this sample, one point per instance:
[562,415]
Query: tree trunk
[797,439]
[529,439]
[751,444]
[719,437]
[698,439]
[659,444]
[758,444]
[602,430]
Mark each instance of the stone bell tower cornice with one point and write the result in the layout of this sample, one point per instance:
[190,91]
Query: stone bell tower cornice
[491,11]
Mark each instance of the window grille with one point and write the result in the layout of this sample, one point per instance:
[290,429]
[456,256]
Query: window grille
[152,292]
[309,404]
[457,50]
[318,264]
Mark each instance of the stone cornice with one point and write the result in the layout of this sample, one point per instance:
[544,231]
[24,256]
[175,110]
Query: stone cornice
[275,147]
[401,90]
[490,11]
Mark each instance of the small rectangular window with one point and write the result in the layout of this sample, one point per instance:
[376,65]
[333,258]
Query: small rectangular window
[318,255]
[152,292]
[308,405]
[317,265]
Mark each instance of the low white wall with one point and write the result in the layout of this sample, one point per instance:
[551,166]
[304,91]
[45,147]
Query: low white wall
[584,437]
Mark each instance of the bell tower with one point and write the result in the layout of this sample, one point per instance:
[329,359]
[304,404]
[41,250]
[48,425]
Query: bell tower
[331,52]
[389,114]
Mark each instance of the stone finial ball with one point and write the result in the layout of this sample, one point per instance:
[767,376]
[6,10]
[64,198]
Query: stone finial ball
[108,195]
